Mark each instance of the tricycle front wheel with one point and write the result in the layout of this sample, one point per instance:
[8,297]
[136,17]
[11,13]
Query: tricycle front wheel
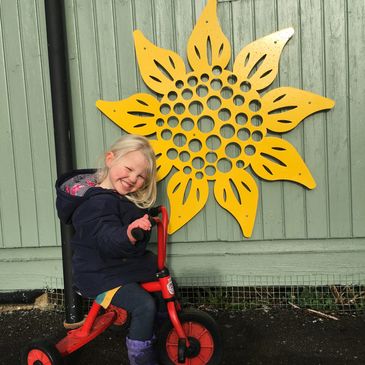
[204,337]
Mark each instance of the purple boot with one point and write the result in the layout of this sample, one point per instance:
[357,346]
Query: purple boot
[141,352]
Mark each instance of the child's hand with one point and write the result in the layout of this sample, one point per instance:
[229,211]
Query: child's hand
[143,223]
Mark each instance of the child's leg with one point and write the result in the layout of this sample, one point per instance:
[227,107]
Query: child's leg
[142,307]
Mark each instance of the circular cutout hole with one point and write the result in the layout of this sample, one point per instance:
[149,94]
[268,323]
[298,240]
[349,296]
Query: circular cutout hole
[213,142]
[245,86]
[217,70]
[187,170]
[257,136]
[187,94]
[195,108]
[165,109]
[224,114]
[199,175]
[233,150]
[240,164]
[195,145]
[224,165]
[179,108]
[241,118]
[179,84]
[250,150]
[184,156]
[172,153]
[160,122]
[216,84]
[214,103]
[187,124]
[227,131]
[238,100]
[192,81]
[210,170]
[226,92]
[232,79]
[166,134]
[255,105]
[172,95]
[256,120]
[198,163]
[173,122]
[179,140]
[202,91]
[244,134]
[211,157]
[205,124]
[204,77]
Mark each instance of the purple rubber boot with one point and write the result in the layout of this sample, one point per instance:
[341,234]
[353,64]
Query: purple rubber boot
[141,352]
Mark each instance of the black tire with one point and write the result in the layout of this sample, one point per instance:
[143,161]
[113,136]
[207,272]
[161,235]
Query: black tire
[204,336]
[40,352]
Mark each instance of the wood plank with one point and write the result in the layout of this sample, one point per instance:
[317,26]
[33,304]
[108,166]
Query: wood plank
[9,218]
[322,263]
[19,119]
[243,33]
[315,144]
[290,75]
[76,87]
[271,192]
[89,79]
[42,149]
[338,123]
[108,67]
[356,92]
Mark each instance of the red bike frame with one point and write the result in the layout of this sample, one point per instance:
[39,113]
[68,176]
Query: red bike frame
[95,324]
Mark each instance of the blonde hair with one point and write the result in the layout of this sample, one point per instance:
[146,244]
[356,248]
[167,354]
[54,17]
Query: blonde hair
[144,197]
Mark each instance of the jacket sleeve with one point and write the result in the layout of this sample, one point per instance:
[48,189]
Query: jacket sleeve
[100,220]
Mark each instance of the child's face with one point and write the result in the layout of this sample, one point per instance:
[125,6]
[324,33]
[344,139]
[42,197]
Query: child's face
[126,175]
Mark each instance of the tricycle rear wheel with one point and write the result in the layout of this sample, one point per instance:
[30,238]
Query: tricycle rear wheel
[40,352]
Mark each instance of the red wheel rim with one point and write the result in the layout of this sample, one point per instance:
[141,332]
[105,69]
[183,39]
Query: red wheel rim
[38,355]
[200,333]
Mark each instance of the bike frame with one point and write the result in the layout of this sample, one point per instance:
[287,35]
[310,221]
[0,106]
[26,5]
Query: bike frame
[95,324]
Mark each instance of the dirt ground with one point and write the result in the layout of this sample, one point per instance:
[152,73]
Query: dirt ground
[275,336]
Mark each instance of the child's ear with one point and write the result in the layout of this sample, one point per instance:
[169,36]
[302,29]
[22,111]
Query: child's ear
[109,158]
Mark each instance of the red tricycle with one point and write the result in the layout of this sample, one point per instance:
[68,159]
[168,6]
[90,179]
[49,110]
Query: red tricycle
[188,337]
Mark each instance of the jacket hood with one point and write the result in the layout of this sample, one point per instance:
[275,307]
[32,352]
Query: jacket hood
[72,189]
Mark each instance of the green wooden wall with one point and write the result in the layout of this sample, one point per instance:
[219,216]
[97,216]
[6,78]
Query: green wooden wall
[296,231]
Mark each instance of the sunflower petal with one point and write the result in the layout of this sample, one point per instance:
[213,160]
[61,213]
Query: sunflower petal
[207,45]
[136,114]
[187,197]
[163,163]
[160,68]
[238,193]
[285,107]
[258,62]
[277,159]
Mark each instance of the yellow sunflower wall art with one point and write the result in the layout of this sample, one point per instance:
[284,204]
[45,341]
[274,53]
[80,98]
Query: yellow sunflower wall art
[211,123]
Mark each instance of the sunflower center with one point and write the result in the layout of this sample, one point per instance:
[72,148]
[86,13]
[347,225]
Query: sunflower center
[212,121]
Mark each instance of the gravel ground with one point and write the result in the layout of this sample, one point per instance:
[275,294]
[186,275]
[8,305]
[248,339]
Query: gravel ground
[275,336]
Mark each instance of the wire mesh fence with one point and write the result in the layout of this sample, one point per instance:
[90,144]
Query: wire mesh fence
[334,293]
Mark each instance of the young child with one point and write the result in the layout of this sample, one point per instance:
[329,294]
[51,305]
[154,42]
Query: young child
[104,206]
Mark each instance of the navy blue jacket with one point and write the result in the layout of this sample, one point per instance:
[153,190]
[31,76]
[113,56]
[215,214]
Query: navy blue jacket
[103,256]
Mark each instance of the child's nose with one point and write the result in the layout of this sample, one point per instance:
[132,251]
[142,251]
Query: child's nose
[133,177]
